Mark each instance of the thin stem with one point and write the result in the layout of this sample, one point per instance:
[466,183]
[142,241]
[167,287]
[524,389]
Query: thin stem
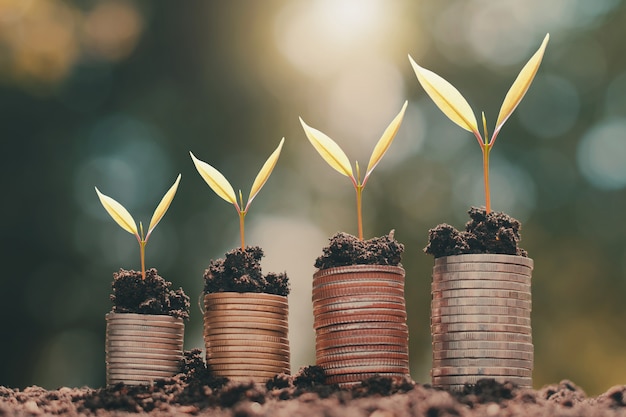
[142,251]
[359,205]
[486,149]
[242,216]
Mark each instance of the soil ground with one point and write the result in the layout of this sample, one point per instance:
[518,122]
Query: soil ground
[345,249]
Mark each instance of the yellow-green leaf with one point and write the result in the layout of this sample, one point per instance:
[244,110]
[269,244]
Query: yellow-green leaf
[447,98]
[385,141]
[520,85]
[163,206]
[329,150]
[264,173]
[119,213]
[216,180]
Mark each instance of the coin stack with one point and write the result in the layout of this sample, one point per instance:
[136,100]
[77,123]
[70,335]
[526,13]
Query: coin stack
[246,335]
[480,320]
[360,323]
[141,348]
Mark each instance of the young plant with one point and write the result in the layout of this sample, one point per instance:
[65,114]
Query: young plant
[337,159]
[126,221]
[452,104]
[222,187]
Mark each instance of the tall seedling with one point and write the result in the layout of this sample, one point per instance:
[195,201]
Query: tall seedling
[126,221]
[452,104]
[337,159]
[222,187]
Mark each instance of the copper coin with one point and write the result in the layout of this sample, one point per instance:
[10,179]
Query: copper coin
[483,354]
[353,363]
[250,338]
[146,365]
[378,348]
[249,361]
[250,367]
[482,267]
[350,289]
[361,283]
[144,356]
[487,371]
[243,349]
[144,341]
[359,340]
[248,355]
[141,329]
[483,319]
[238,342]
[379,369]
[355,271]
[154,318]
[479,327]
[247,314]
[479,293]
[349,308]
[345,380]
[357,318]
[481,275]
[238,331]
[334,314]
[368,326]
[137,334]
[482,336]
[125,381]
[365,333]
[476,344]
[524,382]
[483,362]
[134,346]
[244,297]
[486,257]
[120,370]
[481,301]
[479,284]
[159,325]
[371,297]
[255,376]
[372,356]
[480,310]
[213,323]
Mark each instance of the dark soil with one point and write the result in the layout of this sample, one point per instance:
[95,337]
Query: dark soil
[240,271]
[345,249]
[196,392]
[495,232]
[154,295]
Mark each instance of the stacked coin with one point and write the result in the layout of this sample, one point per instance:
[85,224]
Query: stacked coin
[246,335]
[141,348]
[480,320]
[360,323]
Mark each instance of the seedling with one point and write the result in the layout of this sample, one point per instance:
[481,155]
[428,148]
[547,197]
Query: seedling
[222,187]
[337,159]
[126,221]
[452,104]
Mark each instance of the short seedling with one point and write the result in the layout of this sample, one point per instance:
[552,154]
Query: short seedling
[222,187]
[452,104]
[126,221]
[336,158]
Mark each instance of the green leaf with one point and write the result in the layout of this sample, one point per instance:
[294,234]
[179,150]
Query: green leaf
[447,98]
[264,173]
[119,213]
[385,141]
[520,86]
[216,180]
[329,150]
[163,206]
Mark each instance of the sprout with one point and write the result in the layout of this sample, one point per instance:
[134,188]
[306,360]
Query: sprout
[452,104]
[337,159]
[222,187]
[126,221]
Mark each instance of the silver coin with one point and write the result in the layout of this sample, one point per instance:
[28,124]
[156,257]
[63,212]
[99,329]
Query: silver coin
[479,284]
[477,370]
[483,362]
[243,349]
[480,301]
[482,336]
[123,372]
[141,329]
[489,345]
[483,354]
[143,335]
[442,381]
[156,318]
[480,318]
[125,381]
[377,327]
[482,267]
[479,327]
[481,275]
[379,369]
[486,257]
[245,297]
[480,310]
[133,346]
[480,293]
[248,356]
[159,325]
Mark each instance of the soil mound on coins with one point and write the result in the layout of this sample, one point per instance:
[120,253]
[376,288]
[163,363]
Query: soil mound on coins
[345,249]
[153,295]
[495,232]
[196,392]
[240,271]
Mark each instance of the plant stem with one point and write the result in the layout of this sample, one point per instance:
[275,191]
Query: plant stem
[142,253]
[242,216]
[486,149]
[359,205]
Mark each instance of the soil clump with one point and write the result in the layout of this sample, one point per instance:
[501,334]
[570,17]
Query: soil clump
[495,232]
[345,249]
[153,295]
[240,271]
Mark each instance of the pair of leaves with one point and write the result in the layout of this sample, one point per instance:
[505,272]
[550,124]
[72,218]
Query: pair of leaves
[336,157]
[222,187]
[126,221]
[453,104]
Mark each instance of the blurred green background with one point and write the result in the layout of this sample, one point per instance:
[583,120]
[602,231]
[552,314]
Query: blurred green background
[115,93]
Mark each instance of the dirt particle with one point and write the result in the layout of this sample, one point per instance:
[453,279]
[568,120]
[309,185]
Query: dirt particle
[345,249]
